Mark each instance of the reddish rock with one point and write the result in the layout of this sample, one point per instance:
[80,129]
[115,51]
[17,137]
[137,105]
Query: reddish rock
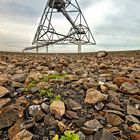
[22,101]
[4,102]
[135,128]
[3,91]
[119,80]
[135,136]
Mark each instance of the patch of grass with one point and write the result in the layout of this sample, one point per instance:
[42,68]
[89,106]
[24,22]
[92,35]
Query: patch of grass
[30,85]
[47,92]
[45,78]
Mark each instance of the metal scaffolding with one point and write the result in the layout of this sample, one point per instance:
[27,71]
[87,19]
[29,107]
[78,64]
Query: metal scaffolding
[46,35]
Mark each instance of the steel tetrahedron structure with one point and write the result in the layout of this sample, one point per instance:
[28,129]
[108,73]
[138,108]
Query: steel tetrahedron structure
[79,32]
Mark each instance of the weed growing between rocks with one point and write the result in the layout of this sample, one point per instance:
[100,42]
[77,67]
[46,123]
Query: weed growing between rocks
[47,92]
[45,78]
[68,135]
[30,85]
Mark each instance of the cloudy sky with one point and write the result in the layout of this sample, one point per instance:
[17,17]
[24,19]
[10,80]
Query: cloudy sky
[115,24]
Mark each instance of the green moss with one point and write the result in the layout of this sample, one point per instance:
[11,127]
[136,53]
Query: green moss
[30,85]
[45,78]
[47,92]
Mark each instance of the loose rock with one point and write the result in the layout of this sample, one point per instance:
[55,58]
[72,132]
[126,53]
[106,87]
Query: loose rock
[101,54]
[23,135]
[133,111]
[57,108]
[93,124]
[9,115]
[135,136]
[3,91]
[93,96]
[104,135]
[4,102]
[129,88]
[19,77]
[114,120]
[34,109]
[135,128]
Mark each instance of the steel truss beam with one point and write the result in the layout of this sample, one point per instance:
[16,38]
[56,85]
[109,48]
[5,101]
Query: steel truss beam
[79,33]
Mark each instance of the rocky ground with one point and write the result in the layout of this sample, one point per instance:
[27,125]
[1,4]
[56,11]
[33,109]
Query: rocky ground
[98,98]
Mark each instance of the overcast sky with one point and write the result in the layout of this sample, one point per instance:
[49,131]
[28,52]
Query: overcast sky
[115,24]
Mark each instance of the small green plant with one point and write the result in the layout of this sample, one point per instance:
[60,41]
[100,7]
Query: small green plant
[57,98]
[56,137]
[45,78]
[70,135]
[30,85]
[47,92]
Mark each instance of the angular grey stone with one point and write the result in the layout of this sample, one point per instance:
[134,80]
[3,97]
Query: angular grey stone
[19,77]
[34,109]
[45,107]
[73,105]
[129,88]
[93,124]
[103,135]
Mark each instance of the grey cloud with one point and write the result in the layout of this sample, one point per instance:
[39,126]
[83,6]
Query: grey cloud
[117,29]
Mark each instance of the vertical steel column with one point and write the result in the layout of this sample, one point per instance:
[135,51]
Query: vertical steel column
[47,49]
[79,47]
[37,50]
